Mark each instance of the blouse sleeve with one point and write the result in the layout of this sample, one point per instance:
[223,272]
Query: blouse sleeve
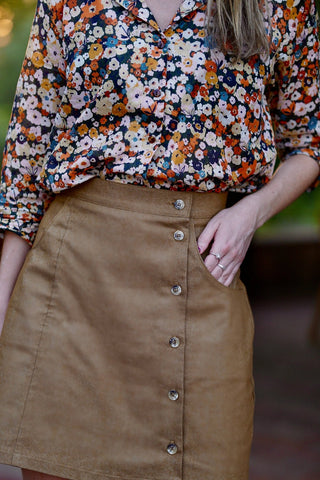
[294,94]
[38,95]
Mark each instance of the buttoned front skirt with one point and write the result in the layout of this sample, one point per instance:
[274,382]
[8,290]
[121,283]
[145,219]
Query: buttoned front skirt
[121,356]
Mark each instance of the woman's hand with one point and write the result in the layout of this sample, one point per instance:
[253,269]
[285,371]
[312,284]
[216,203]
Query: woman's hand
[230,232]
[232,229]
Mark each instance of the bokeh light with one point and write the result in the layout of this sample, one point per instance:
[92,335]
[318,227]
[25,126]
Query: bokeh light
[6,25]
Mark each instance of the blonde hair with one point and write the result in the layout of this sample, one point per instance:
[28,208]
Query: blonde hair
[237,27]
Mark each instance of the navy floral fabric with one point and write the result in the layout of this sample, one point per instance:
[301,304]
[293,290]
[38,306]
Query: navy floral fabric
[105,92]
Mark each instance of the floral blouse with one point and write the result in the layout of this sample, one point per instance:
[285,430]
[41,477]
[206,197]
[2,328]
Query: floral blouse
[105,92]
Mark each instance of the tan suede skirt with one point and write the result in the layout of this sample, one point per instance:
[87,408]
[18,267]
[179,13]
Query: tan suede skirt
[122,357]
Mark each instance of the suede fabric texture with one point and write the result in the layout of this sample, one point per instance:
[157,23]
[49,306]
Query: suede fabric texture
[86,363]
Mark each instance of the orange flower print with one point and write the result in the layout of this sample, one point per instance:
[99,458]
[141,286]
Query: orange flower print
[119,110]
[37,59]
[95,52]
[138,105]
[177,157]
[92,9]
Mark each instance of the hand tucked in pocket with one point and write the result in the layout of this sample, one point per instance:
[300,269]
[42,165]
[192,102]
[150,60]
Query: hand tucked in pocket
[230,233]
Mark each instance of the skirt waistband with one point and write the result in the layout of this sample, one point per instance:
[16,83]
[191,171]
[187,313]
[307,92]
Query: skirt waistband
[148,200]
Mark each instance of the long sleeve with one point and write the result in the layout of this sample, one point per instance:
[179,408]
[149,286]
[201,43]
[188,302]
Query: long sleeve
[38,96]
[294,95]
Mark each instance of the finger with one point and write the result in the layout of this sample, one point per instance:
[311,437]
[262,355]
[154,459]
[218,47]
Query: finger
[228,273]
[220,273]
[207,234]
[230,278]
[218,254]
[216,262]
[211,261]
[233,274]
[224,267]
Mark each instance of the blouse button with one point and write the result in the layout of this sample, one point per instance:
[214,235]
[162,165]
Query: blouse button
[172,448]
[179,204]
[176,290]
[243,147]
[173,395]
[178,235]
[174,342]
[152,139]
[161,43]
[157,92]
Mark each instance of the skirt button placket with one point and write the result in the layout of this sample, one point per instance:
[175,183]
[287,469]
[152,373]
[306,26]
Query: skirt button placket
[174,341]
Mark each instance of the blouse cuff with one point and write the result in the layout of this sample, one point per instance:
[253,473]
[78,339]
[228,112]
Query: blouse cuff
[20,223]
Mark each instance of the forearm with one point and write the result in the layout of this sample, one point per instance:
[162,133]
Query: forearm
[291,179]
[14,252]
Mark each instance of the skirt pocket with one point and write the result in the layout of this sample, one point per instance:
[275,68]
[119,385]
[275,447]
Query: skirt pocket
[195,230]
[56,207]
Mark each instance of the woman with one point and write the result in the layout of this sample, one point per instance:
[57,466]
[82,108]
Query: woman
[126,352]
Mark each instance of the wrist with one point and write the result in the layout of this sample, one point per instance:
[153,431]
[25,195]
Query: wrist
[255,209]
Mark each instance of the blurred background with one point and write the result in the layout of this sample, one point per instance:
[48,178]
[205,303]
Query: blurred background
[281,272]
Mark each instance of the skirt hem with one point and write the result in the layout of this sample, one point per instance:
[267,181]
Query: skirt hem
[49,468]
[70,473]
